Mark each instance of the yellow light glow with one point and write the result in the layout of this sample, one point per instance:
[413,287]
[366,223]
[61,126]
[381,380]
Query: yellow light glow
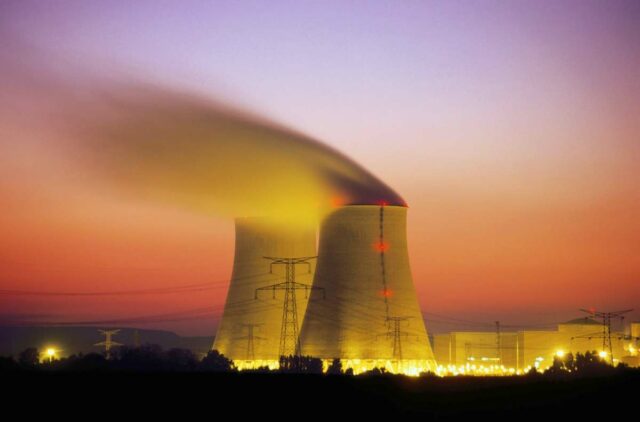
[560,353]
[51,352]
[602,354]
[411,368]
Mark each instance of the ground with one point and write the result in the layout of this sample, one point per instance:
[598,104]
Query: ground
[232,396]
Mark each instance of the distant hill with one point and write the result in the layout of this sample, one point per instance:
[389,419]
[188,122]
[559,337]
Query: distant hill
[71,340]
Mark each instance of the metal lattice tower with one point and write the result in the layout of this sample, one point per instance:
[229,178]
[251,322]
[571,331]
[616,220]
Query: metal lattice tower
[606,326]
[289,332]
[397,333]
[251,338]
[108,343]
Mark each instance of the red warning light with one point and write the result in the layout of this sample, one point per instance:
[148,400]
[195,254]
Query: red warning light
[383,203]
[337,201]
[381,246]
[386,293]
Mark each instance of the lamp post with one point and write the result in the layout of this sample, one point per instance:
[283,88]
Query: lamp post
[51,352]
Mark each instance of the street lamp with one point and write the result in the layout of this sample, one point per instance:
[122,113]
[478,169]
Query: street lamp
[51,352]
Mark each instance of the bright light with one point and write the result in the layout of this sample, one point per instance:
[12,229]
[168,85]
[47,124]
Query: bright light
[560,353]
[50,353]
[602,354]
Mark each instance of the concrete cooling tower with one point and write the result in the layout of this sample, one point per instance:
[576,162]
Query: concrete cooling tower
[251,325]
[369,316]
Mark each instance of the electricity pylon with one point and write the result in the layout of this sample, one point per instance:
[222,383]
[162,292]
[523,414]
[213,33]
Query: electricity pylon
[606,326]
[397,334]
[289,341]
[108,343]
[250,337]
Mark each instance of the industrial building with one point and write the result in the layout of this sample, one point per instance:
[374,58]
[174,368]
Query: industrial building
[252,323]
[518,351]
[362,305]
[356,302]
[365,309]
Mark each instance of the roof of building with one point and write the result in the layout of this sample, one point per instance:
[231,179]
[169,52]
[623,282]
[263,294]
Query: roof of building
[583,321]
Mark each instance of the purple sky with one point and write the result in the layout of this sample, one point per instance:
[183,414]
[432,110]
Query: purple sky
[511,128]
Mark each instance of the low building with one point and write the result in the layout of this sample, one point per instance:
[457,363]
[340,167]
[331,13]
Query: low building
[519,351]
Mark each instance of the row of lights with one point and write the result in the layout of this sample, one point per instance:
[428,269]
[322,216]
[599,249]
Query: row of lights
[51,354]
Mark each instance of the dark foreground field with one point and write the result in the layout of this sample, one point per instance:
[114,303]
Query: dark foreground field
[292,396]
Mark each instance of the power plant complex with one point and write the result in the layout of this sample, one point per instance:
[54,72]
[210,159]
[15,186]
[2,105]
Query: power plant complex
[367,311]
[352,298]
[252,323]
[356,302]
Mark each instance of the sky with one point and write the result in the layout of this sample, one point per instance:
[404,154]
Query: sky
[511,129]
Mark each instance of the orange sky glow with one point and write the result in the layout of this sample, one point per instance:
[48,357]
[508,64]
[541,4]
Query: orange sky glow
[519,160]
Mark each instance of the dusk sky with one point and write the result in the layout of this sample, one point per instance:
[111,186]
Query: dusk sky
[511,129]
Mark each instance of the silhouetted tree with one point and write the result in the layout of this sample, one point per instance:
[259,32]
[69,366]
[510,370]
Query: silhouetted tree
[8,364]
[349,372]
[84,363]
[216,362]
[148,357]
[29,357]
[562,365]
[591,364]
[181,360]
[375,372]
[558,368]
[428,374]
[300,365]
[335,368]
[570,362]
[259,370]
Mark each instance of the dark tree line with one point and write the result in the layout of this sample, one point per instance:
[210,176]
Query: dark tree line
[146,358]
[152,358]
[587,364]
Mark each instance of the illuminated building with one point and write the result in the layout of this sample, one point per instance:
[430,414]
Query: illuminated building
[631,356]
[517,352]
[250,328]
[367,313]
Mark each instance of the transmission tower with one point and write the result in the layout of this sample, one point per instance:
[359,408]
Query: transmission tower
[606,326]
[250,337]
[397,333]
[108,343]
[289,341]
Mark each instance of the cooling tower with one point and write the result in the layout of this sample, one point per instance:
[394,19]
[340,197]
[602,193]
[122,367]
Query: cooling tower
[250,328]
[369,316]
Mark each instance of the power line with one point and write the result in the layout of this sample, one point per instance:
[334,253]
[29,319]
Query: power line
[606,326]
[250,337]
[175,289]
[185,288]
[397,334]
[167,317]
[289,339]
